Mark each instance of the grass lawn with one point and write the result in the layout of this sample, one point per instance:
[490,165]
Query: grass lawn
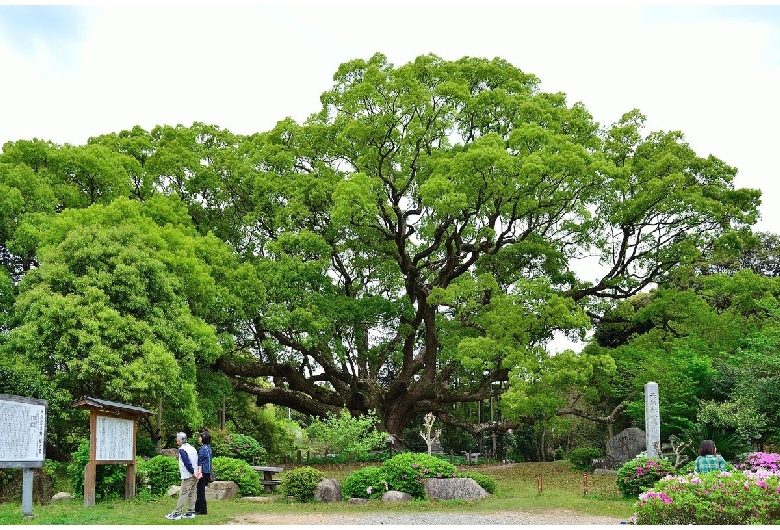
[517,488]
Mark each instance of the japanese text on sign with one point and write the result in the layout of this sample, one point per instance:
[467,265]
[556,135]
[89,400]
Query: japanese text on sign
[22,431]
[114,439]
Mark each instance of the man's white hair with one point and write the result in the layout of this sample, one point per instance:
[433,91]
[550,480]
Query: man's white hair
[182,437]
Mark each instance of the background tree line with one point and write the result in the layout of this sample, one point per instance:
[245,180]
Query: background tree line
[413,247]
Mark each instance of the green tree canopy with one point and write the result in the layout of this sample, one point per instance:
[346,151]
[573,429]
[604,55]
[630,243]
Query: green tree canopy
[412,246]
[124,305]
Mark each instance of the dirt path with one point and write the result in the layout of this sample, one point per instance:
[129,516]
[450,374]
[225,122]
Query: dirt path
[545,517]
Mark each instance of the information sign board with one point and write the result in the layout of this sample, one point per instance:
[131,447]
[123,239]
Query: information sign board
[22,431]
[114,439]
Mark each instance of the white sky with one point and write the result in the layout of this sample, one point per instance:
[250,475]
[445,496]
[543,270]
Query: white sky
[713,72]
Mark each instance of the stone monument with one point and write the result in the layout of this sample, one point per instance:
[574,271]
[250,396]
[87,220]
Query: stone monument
[625,445]
[652,420]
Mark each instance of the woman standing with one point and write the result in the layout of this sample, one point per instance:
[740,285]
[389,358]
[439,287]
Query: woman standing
[204,465]
[708,460]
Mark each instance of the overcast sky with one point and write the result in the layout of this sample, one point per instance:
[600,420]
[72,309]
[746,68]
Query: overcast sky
[712,72]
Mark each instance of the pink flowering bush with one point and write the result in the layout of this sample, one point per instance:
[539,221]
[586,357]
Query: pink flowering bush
[641,473]
[759,460]
[716,498]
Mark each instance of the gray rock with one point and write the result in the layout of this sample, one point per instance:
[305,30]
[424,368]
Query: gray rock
[62,495]
[453,488]
[625,445]
[328,490]
[173,453]
[396,496]
[357,500]
[221,489]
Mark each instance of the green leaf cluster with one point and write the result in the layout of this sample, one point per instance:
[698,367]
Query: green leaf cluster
[346,434]
[301,483]
[582,458]
[407,471]
[368,482]
[246,478]
[158,474]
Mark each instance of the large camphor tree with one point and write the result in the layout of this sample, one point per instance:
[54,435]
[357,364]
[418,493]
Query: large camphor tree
[419,237]
[413,246]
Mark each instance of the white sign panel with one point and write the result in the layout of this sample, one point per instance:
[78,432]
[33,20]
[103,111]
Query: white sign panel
[114,439]
[22,431]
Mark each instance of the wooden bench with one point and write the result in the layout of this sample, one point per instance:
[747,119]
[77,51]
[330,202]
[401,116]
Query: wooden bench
[268,481]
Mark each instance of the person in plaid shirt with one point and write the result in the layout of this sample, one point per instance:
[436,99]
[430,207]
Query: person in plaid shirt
[707,460]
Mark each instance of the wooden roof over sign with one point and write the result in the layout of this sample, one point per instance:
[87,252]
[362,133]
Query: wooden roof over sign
[87,402]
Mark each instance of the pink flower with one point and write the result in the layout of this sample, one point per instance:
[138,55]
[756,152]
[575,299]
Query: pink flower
[369,490]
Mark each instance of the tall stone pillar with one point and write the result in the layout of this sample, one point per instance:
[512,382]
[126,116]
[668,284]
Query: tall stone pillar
[652,420]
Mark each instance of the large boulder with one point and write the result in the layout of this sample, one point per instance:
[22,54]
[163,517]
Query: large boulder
[625,445]
[328,490]
[453,488]
[220,490]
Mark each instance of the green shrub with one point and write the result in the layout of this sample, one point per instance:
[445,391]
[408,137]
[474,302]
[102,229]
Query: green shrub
[244,448]
[218,444]
[641,473]
[406,472]
[57,473]
[368,482]
[348,436]
[145,447]
[581,458]
[158,474]
[238,471]
[301,483]
[724,498]
[487,483]
[109,478]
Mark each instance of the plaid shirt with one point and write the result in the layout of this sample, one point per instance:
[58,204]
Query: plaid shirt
[707,463]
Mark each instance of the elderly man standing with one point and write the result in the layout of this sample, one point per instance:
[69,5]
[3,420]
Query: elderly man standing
[188,458]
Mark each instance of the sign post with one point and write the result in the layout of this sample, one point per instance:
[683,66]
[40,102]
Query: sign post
[23,440]
[112,440]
